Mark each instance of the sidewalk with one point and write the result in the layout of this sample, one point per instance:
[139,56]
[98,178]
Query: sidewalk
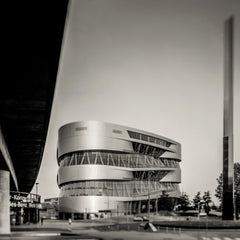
[58,226]
[87,230]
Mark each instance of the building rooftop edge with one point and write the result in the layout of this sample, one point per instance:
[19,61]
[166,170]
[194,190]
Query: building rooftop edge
[123,126]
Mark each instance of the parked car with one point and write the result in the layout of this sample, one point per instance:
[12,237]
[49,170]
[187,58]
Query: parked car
[140,218]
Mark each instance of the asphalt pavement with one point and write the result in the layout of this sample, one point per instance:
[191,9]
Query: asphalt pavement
[117,229]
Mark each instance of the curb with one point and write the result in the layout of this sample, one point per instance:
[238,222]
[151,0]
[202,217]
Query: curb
[200,226]
[83,236]
[34,234]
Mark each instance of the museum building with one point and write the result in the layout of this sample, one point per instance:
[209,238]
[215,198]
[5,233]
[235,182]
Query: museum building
[109,168]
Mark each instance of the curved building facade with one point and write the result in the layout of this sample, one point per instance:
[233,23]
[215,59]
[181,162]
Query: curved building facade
[105,167]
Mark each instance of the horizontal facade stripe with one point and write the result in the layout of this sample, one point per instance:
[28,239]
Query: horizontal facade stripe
[83,143]
[92,204]
[106,129]
[174,155]
[173,176]
[102,136]
[91,172]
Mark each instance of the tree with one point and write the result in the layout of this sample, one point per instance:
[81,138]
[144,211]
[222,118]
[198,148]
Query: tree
[197,199]
[219,189]
[207,200]
[165,202]
[202,202]
[237,188]
[207,197]
[183,201]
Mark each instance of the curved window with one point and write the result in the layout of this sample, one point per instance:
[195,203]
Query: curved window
[116,159]
[147,138]
[116,188]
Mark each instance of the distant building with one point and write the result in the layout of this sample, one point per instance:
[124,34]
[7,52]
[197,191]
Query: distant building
[49,208]
[114,169]
[51,200]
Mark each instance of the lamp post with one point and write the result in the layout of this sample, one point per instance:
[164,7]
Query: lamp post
[148,194]
[37,188]
[36,202]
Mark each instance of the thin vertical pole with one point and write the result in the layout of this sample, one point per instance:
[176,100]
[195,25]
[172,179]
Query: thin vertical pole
[156,206]
[37,215]
[148,194]
[228,168]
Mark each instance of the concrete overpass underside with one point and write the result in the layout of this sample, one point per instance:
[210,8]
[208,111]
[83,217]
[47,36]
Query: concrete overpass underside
[34,32]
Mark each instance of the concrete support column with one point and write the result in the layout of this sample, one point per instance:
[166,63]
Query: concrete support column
[4,202]
[127,209]
[139,206]
[156,206]
[135,207]
[117,210]
[84,214]
[130,210]
[37,214]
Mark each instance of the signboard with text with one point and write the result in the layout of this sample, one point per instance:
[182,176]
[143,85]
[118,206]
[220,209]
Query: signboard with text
[23,200]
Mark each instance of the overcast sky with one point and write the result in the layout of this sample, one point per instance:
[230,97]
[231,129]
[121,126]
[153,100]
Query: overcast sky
[156,65]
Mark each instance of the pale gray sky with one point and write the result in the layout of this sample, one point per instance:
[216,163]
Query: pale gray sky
[149,64]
